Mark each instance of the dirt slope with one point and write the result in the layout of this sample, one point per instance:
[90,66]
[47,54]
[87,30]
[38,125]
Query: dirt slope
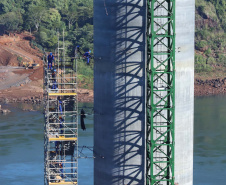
[18,83]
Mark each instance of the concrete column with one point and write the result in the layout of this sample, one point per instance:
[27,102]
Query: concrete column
[184,119]
[119,92]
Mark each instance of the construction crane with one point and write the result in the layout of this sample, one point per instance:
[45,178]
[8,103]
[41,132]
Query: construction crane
[61,120]
[160,92]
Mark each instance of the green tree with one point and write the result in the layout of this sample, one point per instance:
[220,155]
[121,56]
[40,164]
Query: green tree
[59,4]
[7,6]
[11,20]
[36,15]
[52,19]
[71,14]
[43,37]
[208,52]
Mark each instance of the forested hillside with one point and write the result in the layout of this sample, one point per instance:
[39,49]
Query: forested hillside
[210,41]
[45,17]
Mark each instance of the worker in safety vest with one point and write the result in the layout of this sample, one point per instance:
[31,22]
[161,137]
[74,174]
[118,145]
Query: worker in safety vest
[87,56]
[50,60]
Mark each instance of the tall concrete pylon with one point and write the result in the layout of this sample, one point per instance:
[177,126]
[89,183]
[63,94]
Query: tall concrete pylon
[120,92]
[184,91]
[119,86]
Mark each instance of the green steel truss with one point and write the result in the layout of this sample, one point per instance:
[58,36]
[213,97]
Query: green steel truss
[160,92]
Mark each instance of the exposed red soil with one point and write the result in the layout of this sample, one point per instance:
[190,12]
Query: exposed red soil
[18,45]
[20,84]
[7,58]
[37,74]
[20,72]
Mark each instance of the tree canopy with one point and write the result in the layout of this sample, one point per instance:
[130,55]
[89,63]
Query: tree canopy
[46,17]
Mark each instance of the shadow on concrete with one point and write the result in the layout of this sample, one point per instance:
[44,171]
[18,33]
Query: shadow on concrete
[119,100]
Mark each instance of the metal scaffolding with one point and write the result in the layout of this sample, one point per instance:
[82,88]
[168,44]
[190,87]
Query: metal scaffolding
[61,119]
[160,92]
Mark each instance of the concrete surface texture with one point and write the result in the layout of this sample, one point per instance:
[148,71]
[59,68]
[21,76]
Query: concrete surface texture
[119,86]
[184,110]
[119,92]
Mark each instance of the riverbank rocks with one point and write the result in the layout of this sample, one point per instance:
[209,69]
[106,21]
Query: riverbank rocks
[213,82]
[210,87]
[4,111]
[29,99]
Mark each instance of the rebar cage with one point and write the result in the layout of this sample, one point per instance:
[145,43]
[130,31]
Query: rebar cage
[61,118]
[160,105]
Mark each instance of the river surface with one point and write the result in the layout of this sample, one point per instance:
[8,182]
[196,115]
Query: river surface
[21,144]
[22,149]
[210,141]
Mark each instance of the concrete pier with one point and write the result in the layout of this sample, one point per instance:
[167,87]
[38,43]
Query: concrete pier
[119,92]
[119,100]
[184,102]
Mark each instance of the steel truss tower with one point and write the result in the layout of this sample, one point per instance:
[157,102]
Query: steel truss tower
[61,126]
[160,92]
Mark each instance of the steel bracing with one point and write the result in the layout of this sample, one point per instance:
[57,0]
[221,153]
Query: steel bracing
[160,92]
[61,126]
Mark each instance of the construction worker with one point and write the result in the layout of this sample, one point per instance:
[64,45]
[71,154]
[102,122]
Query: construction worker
[61,170]
[60,105]
[54,86]
[50,60]
[87,56]
[61,124]
[57,146]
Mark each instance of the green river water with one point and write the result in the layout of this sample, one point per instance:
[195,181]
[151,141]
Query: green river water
[21,144]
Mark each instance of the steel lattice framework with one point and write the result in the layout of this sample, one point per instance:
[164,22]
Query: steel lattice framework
[160,92]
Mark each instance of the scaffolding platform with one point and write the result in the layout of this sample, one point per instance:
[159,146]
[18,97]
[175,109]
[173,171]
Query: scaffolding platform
[62,183]
[61,120]
[63,139]
[62,94]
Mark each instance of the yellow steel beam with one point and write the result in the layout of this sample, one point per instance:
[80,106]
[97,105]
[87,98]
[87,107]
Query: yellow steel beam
[63,139]
[55,183]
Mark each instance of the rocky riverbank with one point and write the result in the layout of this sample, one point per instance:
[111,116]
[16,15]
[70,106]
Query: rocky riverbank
[4,111]
[13,88]
[84,95]
[210,87]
